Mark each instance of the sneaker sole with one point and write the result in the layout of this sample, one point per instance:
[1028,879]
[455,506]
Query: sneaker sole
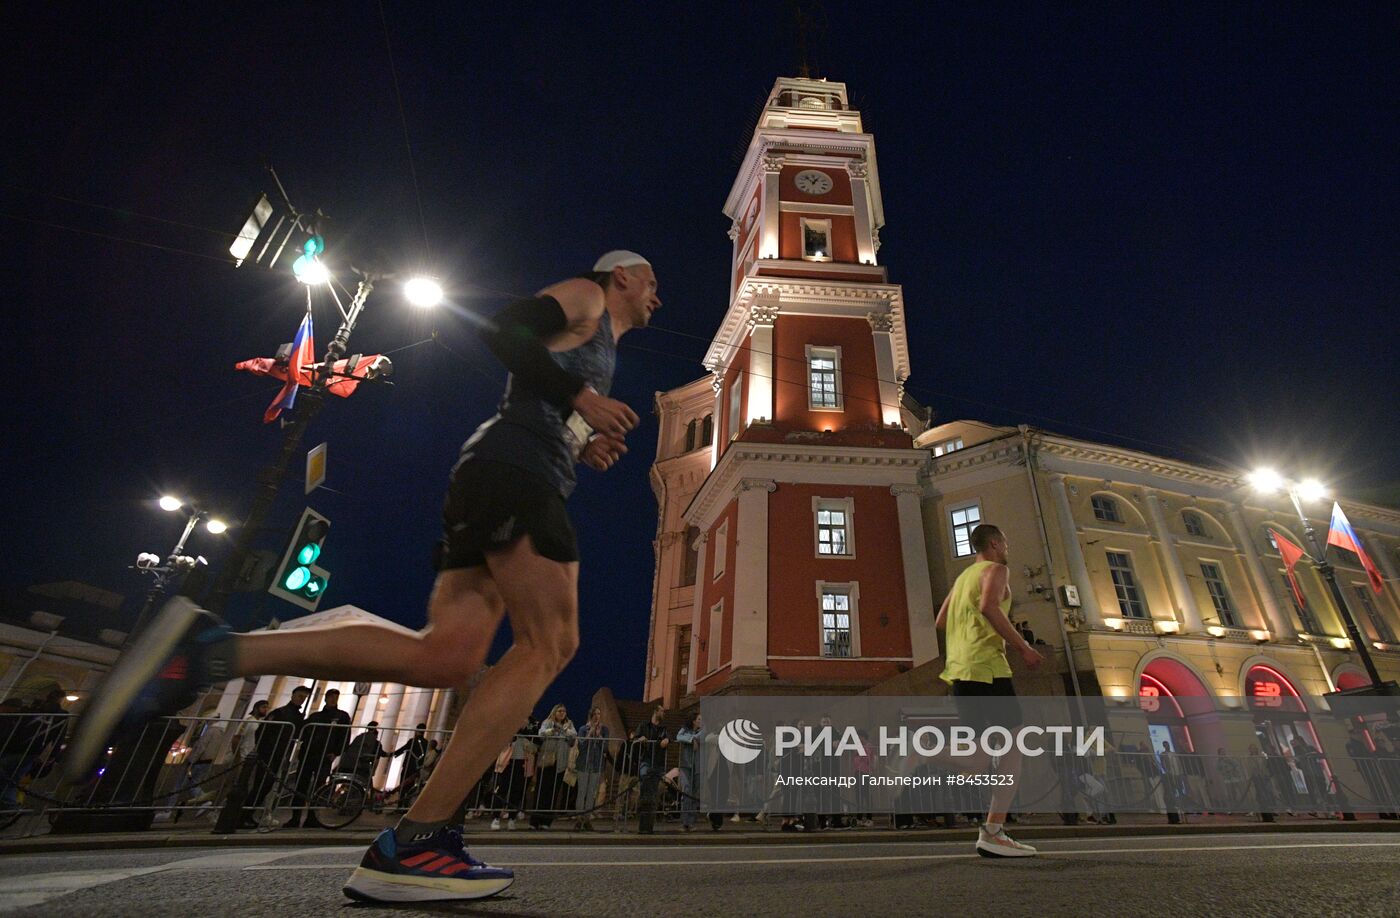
[997,851]
[133,670]
[367,885]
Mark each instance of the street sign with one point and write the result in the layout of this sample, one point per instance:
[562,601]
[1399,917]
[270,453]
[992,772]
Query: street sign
[315,467]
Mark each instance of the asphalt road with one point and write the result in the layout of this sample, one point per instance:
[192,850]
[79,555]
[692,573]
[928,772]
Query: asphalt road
[1353,874]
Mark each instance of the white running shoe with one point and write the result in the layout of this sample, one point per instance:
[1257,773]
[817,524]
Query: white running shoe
[1001,845]
[496,825]
[510,826]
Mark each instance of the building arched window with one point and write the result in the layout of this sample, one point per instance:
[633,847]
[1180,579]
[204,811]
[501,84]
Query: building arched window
[1106,509]
[707,430]
[690,436]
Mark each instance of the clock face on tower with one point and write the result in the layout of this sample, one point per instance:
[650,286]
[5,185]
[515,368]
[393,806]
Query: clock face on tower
[812,181]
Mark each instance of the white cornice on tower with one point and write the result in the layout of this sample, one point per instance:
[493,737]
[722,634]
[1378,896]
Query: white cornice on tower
[794,463]
[802,296]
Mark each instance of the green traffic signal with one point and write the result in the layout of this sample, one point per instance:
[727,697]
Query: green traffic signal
[298,578]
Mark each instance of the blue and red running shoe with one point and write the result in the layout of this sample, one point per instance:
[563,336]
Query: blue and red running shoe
[436,868]
[161,673]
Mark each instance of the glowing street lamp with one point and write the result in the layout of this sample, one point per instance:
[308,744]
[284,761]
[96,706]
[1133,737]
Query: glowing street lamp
[423,292]
[1269,481]
[177,563]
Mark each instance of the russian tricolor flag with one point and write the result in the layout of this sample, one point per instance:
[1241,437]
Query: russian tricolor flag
[1340,534]
[303,354]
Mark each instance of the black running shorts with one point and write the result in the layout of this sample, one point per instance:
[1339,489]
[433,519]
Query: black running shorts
[987,704]
[490,505]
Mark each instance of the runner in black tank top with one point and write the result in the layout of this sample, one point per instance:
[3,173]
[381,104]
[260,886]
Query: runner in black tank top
[507,548]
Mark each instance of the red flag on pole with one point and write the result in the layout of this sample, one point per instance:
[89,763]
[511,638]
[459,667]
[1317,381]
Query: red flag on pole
[1291,553]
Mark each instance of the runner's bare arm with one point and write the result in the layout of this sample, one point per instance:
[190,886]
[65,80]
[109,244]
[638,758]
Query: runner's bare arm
[941,621]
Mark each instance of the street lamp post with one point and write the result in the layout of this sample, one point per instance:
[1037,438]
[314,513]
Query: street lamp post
[1268,481]
[422,292]
[177,563]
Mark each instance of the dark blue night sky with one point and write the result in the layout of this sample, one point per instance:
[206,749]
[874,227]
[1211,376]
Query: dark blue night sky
[1169,227]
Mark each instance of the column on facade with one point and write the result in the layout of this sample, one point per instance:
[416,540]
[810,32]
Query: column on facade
[1074,555]
[716,383]
[443,699]
[750,614]
[1176,574]
[762,315]
[263,691]
[860,197]
[882,328]
[918,593]
[696,603]
[368,705]
[1280,624]
[389,735]
[768,239]
[228,700]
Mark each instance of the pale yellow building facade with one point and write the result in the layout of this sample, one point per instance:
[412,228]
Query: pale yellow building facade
[1147,575]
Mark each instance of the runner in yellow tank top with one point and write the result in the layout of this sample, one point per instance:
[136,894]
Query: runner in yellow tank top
[975,665]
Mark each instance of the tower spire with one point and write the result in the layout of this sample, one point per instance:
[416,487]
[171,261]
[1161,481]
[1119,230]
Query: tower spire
[809,24]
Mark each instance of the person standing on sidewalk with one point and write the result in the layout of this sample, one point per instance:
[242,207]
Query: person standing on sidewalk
[556,735]
[978,634]
[592,753]
[650,741]
[323,738]
[687,737]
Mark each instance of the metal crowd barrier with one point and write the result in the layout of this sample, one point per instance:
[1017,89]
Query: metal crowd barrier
[188,767]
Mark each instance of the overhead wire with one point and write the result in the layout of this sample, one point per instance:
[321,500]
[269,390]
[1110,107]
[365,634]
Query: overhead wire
[403,122]
[87,232]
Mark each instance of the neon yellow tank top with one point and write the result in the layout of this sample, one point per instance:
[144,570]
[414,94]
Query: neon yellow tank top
[973,651]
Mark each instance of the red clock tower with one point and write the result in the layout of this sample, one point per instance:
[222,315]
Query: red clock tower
[791,551]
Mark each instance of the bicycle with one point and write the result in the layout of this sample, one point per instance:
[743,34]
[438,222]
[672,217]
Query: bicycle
[345,796]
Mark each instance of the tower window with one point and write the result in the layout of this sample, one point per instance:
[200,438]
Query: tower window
[716,635]
[824,378]
[690,436]
[833,518]
[1194,525]
[836,622]
[736,394]
[707,430]
[721,548]
[816,239]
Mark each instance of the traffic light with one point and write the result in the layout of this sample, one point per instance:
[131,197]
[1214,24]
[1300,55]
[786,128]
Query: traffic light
[308,268]
[299,580]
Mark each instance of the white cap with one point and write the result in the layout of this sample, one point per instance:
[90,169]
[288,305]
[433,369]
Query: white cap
[619,258]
